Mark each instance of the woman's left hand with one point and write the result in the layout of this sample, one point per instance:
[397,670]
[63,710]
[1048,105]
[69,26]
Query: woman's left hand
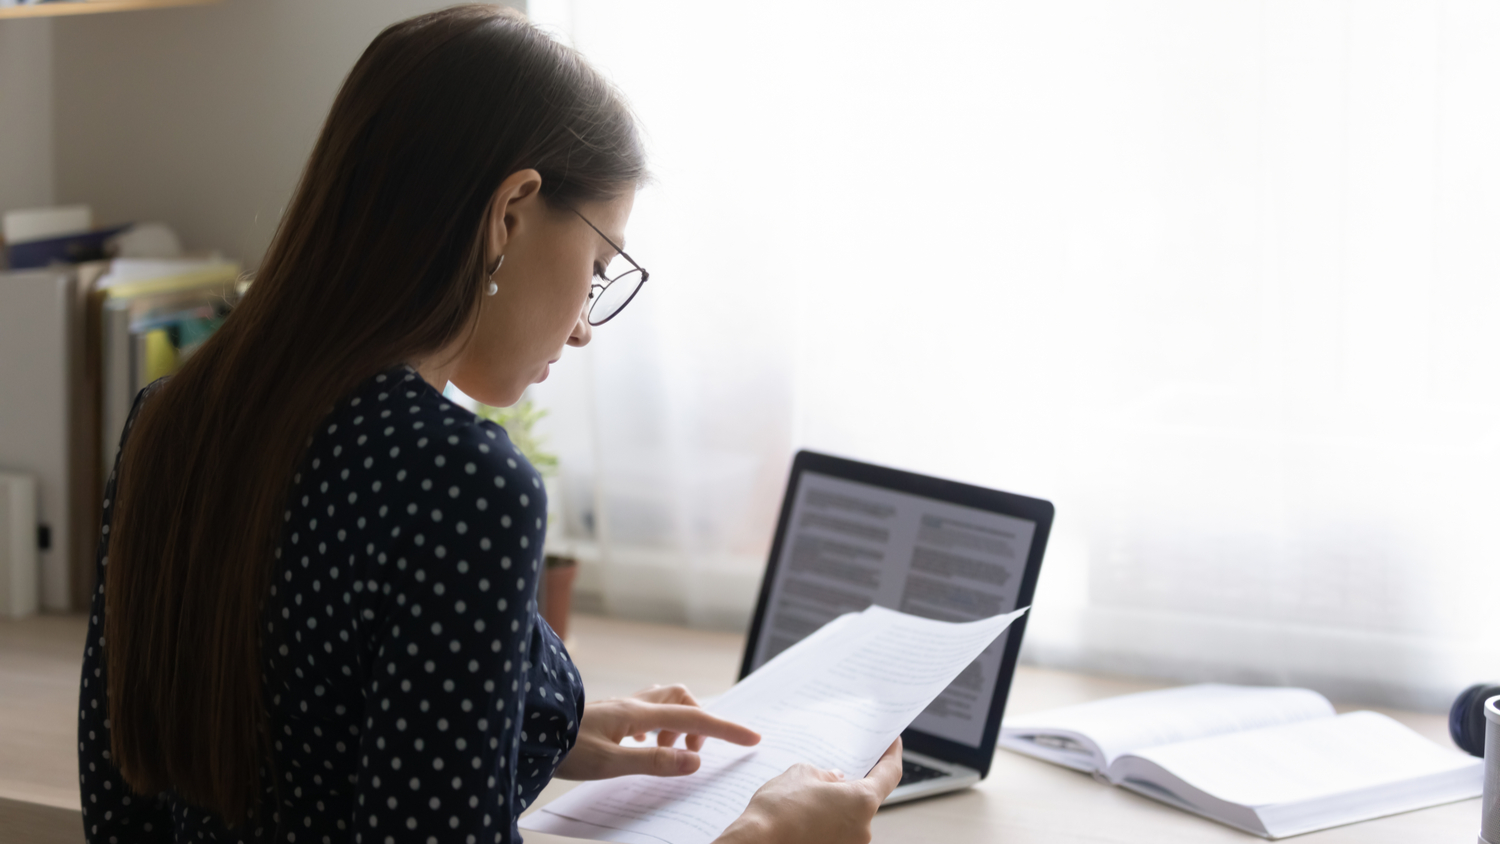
[671,710]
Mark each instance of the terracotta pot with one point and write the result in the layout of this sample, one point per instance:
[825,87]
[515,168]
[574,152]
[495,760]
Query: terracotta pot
[557,593]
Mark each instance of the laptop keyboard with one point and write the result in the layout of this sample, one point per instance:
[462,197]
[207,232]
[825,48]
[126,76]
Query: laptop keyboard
[912,772]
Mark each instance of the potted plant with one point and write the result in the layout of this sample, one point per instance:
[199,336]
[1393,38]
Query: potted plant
[555,588]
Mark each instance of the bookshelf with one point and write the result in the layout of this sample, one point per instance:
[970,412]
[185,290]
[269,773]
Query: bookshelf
[86,7]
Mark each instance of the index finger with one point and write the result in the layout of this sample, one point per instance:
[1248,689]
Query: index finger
[886,774]
[679,718]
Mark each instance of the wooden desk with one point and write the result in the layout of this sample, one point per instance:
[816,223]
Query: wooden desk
[41,660]
[1024,801]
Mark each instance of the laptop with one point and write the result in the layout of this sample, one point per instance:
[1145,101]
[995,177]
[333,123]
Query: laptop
[852,534]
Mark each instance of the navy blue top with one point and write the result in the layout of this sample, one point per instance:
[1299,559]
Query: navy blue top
[414,694]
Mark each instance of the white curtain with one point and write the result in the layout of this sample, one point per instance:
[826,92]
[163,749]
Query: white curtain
[1221,280]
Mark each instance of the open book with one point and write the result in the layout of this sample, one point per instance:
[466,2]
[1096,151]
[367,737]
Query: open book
[836,699]
[1272,761]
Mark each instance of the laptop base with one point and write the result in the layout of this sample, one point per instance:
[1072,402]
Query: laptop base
[925,776]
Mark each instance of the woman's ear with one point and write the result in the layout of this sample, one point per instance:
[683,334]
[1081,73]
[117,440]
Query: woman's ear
[513,208]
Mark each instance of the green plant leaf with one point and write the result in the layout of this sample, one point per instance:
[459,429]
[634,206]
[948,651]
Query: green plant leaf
[519,422]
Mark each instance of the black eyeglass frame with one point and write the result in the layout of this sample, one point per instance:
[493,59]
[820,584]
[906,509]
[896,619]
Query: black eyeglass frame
[597,290]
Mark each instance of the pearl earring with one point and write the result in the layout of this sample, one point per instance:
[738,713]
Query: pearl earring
[494,288]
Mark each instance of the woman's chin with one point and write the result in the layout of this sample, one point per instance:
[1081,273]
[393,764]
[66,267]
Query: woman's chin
[503,396]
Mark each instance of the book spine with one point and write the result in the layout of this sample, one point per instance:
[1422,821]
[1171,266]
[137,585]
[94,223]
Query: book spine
[18,545]
[118,376]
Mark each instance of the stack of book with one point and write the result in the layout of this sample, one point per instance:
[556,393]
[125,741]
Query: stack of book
[77,342]
[35,238]
[148,317]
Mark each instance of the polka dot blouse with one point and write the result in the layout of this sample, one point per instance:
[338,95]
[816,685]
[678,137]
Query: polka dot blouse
[414,694]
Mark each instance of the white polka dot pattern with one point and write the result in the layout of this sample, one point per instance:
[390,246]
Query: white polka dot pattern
[414,693]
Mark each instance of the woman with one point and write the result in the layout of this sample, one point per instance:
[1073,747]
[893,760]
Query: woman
[315,618]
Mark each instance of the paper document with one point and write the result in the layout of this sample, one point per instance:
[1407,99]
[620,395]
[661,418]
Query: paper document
[837,699]
[849,545]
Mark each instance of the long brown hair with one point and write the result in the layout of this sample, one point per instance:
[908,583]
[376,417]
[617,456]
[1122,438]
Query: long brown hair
[378,260]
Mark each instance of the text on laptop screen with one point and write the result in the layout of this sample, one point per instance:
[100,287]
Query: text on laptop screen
[849,545]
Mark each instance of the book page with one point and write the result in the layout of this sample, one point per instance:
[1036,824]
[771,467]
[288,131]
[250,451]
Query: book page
[837,700]
[1303,761]
[1122,724]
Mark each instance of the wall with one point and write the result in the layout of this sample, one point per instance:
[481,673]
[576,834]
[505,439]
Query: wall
[25,114]
[203,117]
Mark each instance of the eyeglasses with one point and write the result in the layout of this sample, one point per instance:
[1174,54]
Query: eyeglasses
[611,296]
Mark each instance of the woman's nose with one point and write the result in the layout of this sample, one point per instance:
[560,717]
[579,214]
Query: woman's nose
[582,332]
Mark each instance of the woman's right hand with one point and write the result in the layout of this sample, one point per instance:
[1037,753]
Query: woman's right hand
[810,805]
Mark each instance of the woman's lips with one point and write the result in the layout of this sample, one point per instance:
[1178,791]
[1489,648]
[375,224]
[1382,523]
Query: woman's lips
[546,369]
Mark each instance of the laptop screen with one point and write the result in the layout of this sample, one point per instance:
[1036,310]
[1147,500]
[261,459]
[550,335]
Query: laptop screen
[844,544]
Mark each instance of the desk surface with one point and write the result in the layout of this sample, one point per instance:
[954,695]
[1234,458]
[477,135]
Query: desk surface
[1023,800]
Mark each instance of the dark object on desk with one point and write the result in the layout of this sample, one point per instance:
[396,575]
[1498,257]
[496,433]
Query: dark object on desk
[65,249]
[1466,718]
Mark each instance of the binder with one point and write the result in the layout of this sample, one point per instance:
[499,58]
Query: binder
[36,412]
[135,349]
